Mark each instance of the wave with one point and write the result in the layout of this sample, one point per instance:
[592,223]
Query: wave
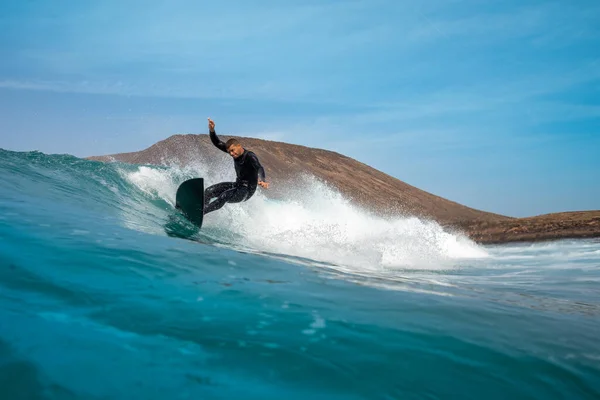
[313,222]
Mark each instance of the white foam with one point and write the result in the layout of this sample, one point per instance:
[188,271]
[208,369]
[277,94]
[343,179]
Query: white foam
[319,223]
[154,182]
[315,222]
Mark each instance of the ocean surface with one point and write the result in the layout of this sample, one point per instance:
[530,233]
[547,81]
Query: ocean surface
[107,292]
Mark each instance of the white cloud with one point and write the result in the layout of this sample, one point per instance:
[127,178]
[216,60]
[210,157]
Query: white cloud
[196,90]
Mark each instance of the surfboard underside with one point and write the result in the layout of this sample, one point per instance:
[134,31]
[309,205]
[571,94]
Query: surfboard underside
[190,200]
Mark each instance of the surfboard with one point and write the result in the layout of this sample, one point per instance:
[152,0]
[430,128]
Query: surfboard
[190,200]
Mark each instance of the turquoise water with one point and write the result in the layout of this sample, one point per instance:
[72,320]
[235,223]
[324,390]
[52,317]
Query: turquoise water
[106,292]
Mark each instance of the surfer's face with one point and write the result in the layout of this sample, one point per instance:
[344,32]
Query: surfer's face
[235,150]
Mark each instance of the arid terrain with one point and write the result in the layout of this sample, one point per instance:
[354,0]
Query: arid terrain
[368,188]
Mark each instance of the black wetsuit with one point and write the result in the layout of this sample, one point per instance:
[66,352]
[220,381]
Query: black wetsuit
[248,171]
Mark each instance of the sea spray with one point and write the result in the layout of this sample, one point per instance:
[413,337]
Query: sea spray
[315,221]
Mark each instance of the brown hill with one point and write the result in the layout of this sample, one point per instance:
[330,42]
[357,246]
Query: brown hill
[366,186]
[576,224]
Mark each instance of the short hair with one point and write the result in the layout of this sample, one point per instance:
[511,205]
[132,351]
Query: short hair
[232,142]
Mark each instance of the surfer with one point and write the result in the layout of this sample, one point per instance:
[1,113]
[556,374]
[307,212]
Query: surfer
[247,168]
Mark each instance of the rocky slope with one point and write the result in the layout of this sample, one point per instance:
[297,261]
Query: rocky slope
[367,187]
[577,224]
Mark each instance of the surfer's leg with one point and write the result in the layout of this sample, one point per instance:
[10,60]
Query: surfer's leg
[216,190]
[238,195]
[234,195]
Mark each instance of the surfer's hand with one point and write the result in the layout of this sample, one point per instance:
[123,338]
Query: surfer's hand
[211,125]
[263,184]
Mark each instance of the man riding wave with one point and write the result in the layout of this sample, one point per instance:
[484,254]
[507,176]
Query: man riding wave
[249,172]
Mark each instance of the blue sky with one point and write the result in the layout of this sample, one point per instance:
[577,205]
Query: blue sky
[493,104]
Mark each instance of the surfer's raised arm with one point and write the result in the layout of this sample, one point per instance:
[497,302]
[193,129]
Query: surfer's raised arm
[213,136]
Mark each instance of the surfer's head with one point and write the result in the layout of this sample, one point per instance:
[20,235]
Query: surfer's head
[234,148]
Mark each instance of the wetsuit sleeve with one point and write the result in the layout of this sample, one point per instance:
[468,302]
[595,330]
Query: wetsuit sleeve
[258,167]
[220,145]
